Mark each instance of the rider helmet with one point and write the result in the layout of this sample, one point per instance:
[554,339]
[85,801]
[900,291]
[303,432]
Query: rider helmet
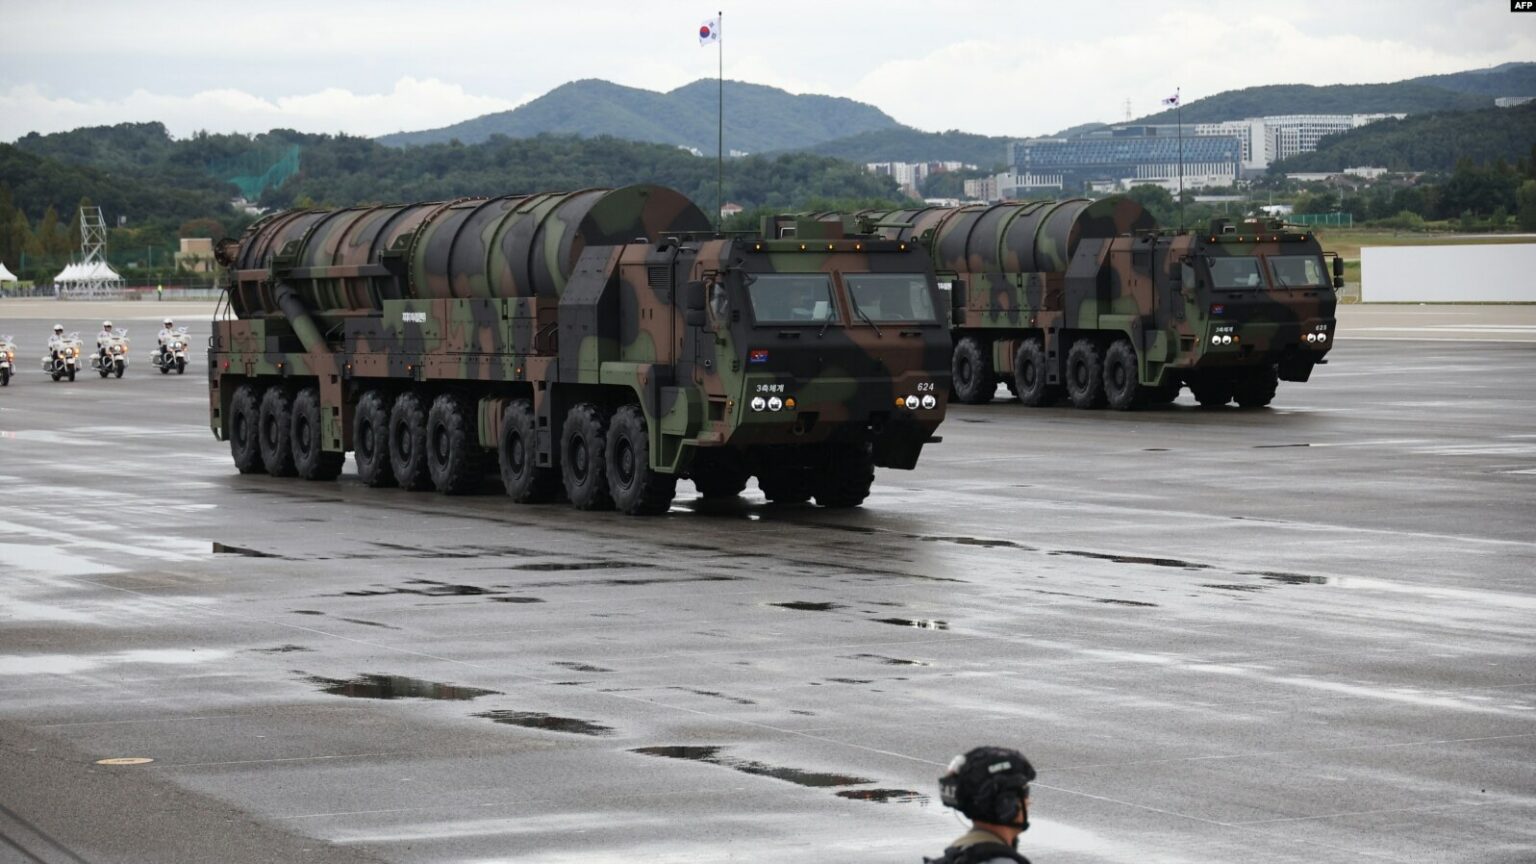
[58,328]
[106,325]
[167,322]
[988,784]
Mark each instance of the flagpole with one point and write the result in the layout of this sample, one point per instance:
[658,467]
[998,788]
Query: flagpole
[1178,114]
[720,123]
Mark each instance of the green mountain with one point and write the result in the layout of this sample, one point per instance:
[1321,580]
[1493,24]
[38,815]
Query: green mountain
[757,118]
[1460,91]
[1426,142]
[905,144]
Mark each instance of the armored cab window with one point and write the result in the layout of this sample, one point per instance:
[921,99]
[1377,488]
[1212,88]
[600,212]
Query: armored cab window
[791,298]
[1292,271]
[899,297]
[1230,273]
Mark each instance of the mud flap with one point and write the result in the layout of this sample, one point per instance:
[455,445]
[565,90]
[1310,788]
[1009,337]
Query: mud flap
[1295,367]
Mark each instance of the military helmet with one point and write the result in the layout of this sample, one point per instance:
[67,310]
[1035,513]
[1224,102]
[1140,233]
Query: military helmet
[987,784]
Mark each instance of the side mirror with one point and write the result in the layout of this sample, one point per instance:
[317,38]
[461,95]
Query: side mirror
[1338,268]
[1338,281]
[693,304]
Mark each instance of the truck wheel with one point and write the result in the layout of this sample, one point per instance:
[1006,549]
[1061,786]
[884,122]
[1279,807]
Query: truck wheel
[849,473]
[518,453]
[1085,375]
[719,475]
[275,427]
[1030,374]
[1211,392]
[310,458]
[1257,388]
[1122,385]
[583,441]
[454,457]
[408,442]
[636,487]
[244,427]
[971,371]
[370,439]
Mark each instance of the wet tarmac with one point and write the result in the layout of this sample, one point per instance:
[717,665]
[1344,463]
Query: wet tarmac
[1300,634]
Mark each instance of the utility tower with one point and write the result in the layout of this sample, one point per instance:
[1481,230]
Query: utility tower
[93,277]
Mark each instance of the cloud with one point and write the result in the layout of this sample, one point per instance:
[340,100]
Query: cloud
[411,104]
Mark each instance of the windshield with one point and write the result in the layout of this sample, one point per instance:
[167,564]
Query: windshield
[791,298]
[1236,273]
[890,296]
[1291,271]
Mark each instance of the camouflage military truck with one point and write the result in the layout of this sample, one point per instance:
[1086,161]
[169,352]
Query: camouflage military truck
[599,343]
[1087,299]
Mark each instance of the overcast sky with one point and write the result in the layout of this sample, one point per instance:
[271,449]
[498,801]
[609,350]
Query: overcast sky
[1000,68]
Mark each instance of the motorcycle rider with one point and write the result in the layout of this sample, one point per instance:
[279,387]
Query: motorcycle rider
[168,332]
[56,341]
[106,335]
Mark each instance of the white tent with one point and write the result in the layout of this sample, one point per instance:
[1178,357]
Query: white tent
[5,274]
[95,279]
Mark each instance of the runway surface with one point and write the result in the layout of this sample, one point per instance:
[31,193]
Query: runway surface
[1299,634]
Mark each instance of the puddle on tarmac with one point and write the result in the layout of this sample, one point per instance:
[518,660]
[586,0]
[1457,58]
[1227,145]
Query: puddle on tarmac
[579,667]
[807,606]
[517,600]
[714,694]
[226,549]
[1292,578]
[919,623]
[281,649]
[1122,602]
[712,756]
[889,661]
[424,588]
[1154,449]
[851,680]
[980,541]
[367,623]
[550,567]
[1238,587]
[1133,559]
[396,687]
[535,720]
[883,796]
[1277,446]
[307,612]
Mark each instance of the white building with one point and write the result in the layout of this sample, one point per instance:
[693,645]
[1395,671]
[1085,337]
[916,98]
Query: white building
[1269,139]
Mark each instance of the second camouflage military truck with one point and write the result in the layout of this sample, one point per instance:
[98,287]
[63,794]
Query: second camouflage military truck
[598,343]
[1086,299]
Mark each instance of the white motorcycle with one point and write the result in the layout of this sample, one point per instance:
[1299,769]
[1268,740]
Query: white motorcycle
[111,357]
[63,360]
[172,353]
[7,360]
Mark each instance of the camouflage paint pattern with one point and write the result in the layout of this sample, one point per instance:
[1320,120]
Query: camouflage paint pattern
[561,298]
[1059,270]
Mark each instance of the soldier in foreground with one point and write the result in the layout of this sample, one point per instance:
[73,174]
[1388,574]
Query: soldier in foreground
[991,786]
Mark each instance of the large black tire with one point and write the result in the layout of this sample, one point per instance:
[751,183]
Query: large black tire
[310,458]
[1031,372]
[119,368]
[1257,388]
[165,369]
[71,373]
[104,370]
[973,380]
[181,366]
[517,451]
[244,429]
[408,442]
[583,468]
[1085,375]
[454,456]
[1211,392]
[275,428]
[1122,377]
[787,483]
[5,377]
[370,439]
[719,474]
[845,479]
[636,487]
